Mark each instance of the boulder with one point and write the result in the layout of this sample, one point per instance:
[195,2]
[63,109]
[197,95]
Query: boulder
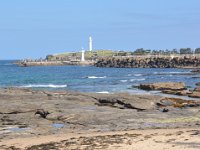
[163,86]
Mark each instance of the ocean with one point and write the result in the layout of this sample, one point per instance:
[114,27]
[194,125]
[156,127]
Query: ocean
[89,78]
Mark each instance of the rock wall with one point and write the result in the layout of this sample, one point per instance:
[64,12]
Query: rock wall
[152,62]
[54,63]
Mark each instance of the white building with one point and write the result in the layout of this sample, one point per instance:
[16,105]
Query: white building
[82,55]
[90,43]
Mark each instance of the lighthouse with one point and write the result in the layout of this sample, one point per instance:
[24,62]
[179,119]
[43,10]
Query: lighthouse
[82,55]
[90,43]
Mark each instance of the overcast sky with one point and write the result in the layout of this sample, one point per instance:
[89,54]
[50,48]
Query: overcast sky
[35,28]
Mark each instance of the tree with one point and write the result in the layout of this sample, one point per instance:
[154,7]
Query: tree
[141,51]
[185,51]
[49,57]
[174,51]
[197,51]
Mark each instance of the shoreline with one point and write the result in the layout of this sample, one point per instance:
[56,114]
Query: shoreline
[137,139]
[76,116]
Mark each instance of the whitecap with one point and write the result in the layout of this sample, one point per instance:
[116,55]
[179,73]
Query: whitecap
[103,92]
[95,77]
[155,72]
[137,75]
[172,72]
[178,72]
[123,81]
[44,86]
[142,79]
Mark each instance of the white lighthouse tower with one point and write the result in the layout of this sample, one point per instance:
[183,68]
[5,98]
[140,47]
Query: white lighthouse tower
[82,55]
[90,43]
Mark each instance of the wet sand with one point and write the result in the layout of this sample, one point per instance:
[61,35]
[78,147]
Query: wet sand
[94,121]
[175,139]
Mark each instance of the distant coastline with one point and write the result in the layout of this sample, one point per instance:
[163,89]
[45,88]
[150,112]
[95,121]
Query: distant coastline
[137,61]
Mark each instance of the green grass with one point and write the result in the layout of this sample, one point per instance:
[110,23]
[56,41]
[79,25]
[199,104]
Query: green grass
[98,53]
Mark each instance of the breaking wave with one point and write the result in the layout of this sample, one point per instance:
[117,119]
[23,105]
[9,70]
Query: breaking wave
[123,81]
[142,79]
[137,75]
[103,92]
[95,77]
[43,86]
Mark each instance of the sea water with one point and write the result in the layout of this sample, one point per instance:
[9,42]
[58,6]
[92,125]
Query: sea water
[89,78]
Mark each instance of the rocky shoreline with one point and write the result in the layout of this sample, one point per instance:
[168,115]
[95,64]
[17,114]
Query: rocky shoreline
[75,114]
[149,62]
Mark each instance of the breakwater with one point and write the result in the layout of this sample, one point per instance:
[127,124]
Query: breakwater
[53,63]
[149,62]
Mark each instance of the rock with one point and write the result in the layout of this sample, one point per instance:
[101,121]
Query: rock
[195,71]
[195,94]
[151,62]
[197,84]
[117,103]
[164,110]
[43,113]
[177,92]
[197,89]
[177,102]
[163,86]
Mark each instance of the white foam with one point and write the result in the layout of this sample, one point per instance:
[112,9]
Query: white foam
[166,73]
[178,72]
[44,86]
[94,77]
[142,79]
[137,75]
[123,81]
[103,92]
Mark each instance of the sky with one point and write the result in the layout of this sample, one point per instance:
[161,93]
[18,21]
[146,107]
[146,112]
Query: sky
[36,28]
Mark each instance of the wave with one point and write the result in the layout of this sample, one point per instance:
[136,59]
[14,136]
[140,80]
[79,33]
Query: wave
[43,86]
[103,92]
[137,75]
[142,79]
[94,77]
[123,81]
[166,73]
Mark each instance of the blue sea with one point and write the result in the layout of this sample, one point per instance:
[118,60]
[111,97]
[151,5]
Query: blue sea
[88,78]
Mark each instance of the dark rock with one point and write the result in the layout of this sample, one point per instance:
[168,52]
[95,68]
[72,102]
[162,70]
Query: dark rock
[164,110]
[153,62]
[42,113]
[195,71]
[197,84]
